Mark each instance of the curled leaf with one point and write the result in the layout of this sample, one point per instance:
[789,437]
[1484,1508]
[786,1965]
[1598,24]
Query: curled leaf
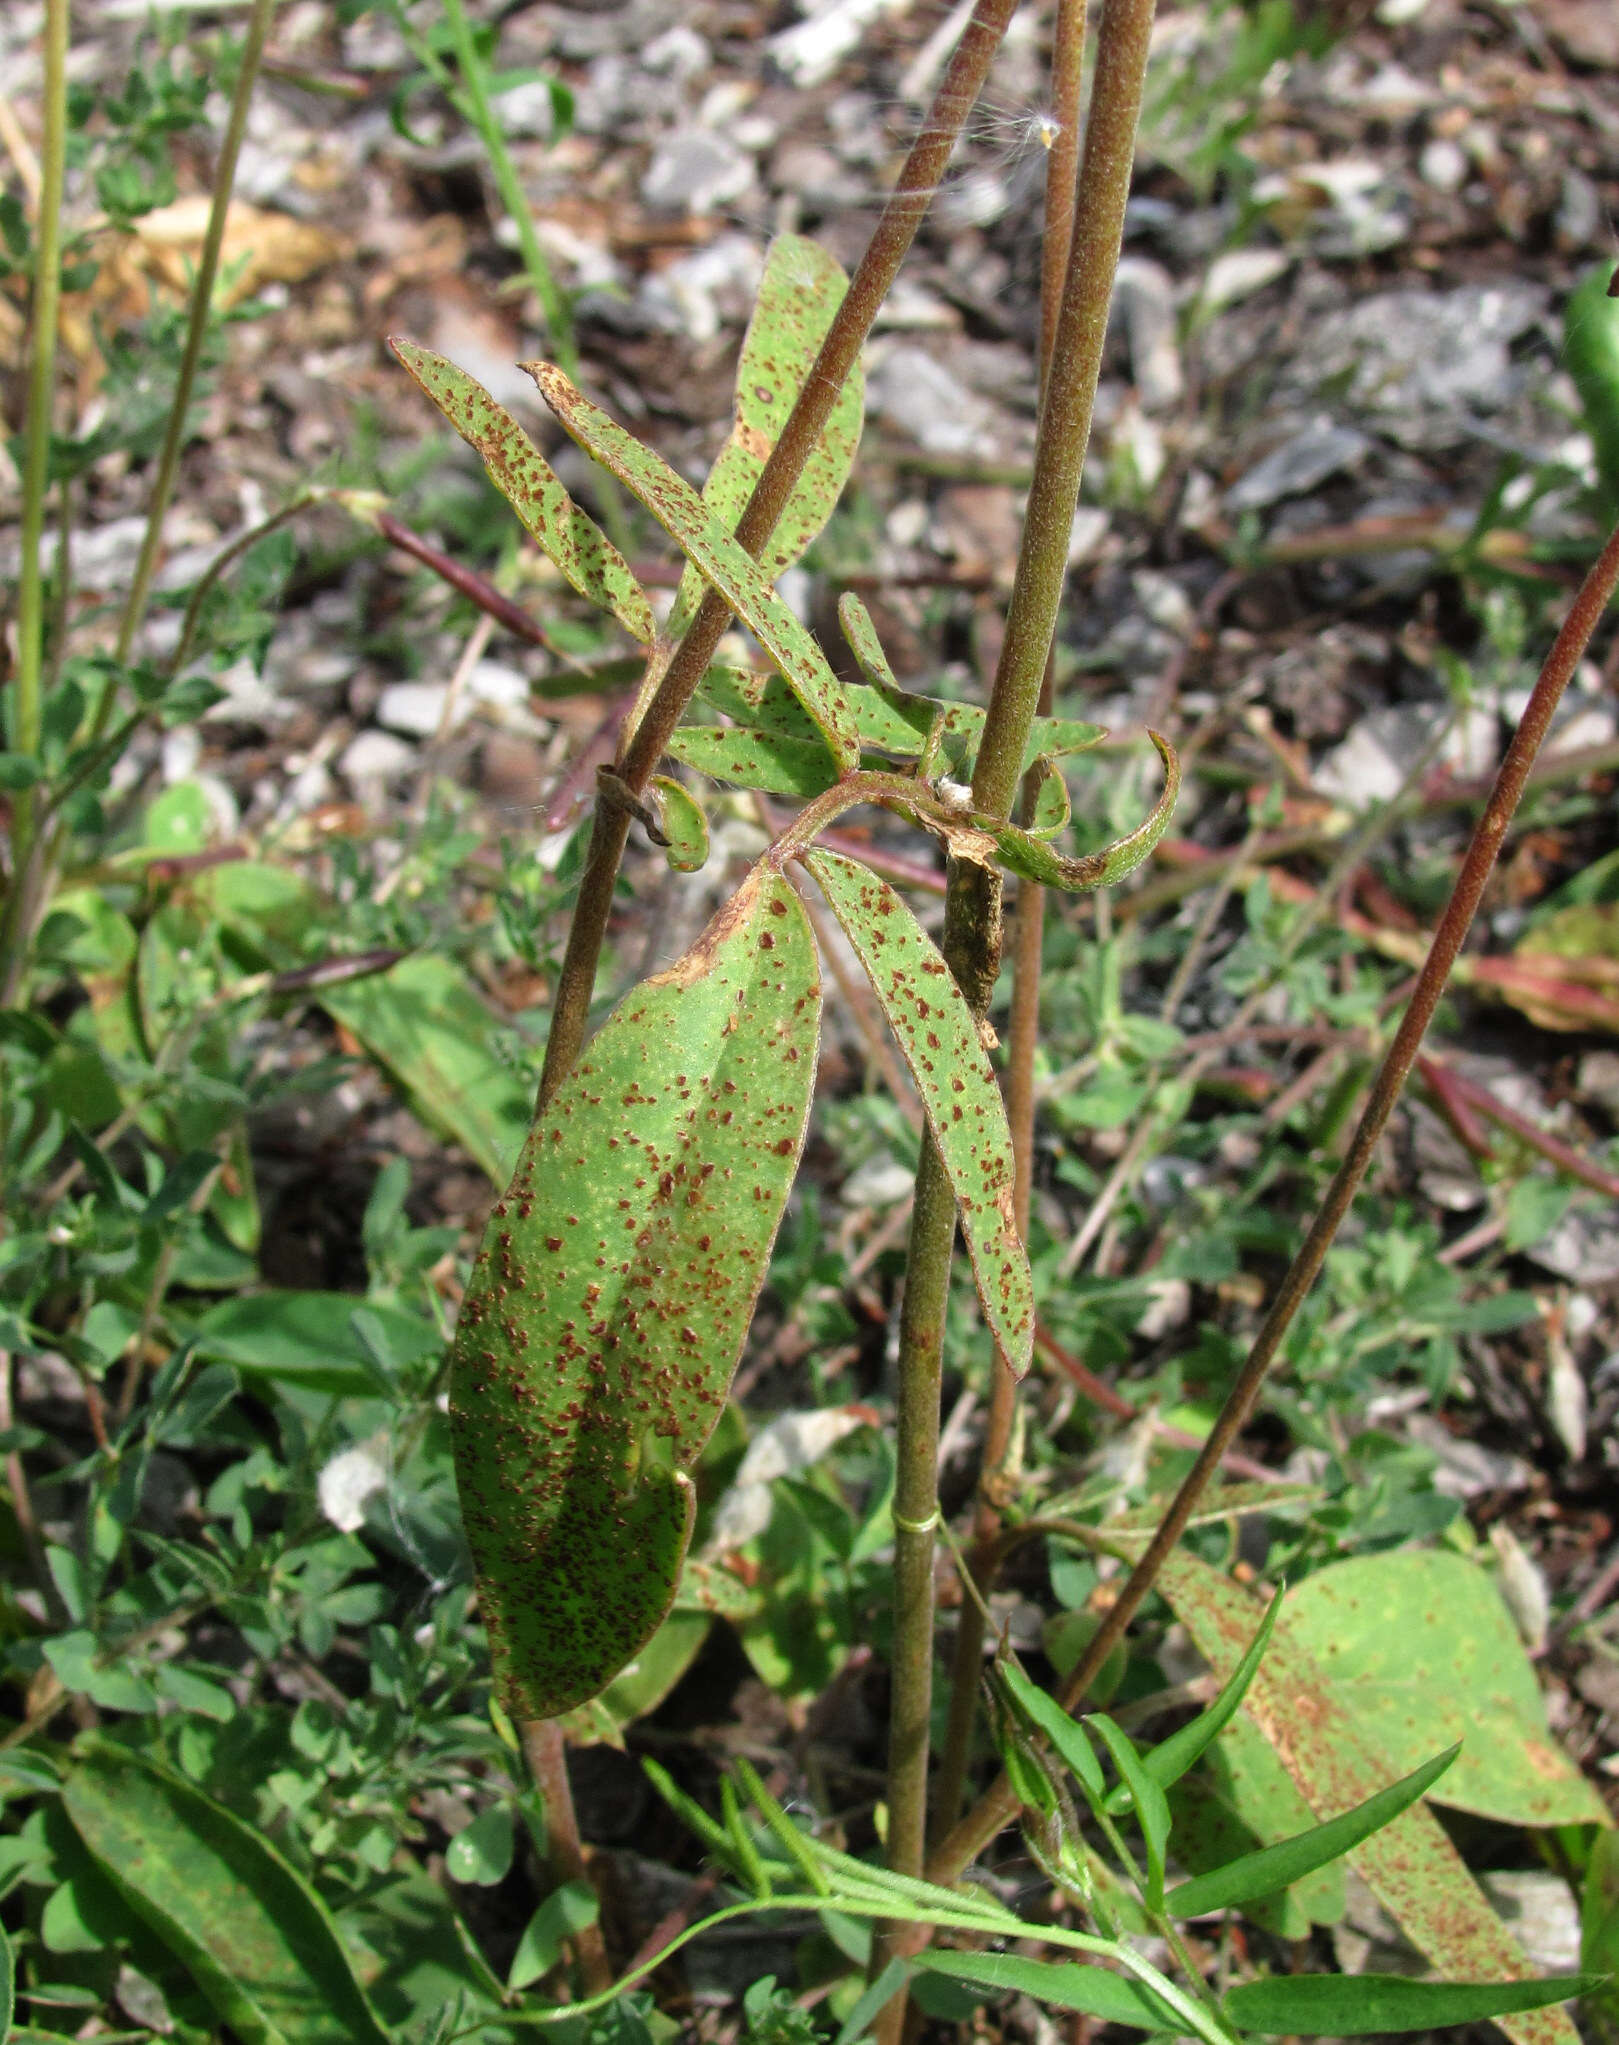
[531,486]
[613,1292]
[1023,853]
[940,1042]
[683,825]
[702,536]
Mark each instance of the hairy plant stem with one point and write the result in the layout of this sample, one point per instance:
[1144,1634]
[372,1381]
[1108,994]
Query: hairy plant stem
[924,167]
[25,705]
[1028,935]
[996,1806]
[546,1753]
[973,902]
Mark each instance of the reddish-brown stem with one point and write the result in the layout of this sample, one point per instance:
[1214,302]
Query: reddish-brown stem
[546,1753]
[1462,1096]
[996,1806]
[477,589]
[896,230]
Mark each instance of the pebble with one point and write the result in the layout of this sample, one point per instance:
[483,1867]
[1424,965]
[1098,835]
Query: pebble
[695,170]
[371,761]
[1307,458]
[1144,305]
[920,397]
[1443,164]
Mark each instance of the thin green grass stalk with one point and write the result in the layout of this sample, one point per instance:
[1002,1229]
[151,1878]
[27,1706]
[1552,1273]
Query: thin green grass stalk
[973,904]
[1028,936]
[560,337]
[26,696]
[197,317]
[968,1838]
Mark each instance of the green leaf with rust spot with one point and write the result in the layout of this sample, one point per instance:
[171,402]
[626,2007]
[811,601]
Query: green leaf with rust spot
[801,289]
[941,1045]
[761,702]
[1021,852]
[754,759]
[256,1939]
[530,485]
[1410,1865]
[612,1295]
[684,827]
[701,535]
[1423,1650]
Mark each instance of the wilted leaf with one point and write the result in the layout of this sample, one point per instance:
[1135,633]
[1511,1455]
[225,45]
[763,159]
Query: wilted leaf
[940,1041]
[703,538]
[801,289]
[1410,1866]
[424,1021]
[613,1293]
[530,485]
[256,1939]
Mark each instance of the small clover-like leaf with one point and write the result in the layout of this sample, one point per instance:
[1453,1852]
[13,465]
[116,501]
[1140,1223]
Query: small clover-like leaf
[530,485]
[801,289]
[941,1045]
[702,536]
[613,1292]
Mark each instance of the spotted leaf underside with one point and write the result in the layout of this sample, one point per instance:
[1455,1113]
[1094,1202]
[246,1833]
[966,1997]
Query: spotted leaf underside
[613,1292]
[940,1042]
[802,287]
[531,486]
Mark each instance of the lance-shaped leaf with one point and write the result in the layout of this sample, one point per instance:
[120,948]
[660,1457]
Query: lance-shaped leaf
[801,289]
[760,702]
[1059,1984]
[613,1292]
[702,537]
[754,759]
[1364,2005]
[256,1939]
[1032,857]
[531,487]
[941,1045]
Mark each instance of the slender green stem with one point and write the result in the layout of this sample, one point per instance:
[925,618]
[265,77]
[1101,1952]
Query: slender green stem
[553,300]
[994,1808]
[1028,934]
[25,703]
[472,100]
[197,321]
[896,230]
